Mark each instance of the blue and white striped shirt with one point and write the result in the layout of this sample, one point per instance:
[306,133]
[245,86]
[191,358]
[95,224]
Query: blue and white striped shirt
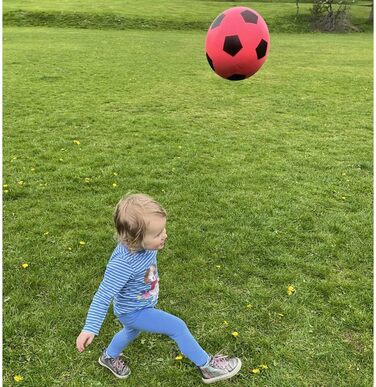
[131,281]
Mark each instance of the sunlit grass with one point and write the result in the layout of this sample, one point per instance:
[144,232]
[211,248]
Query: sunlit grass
[281,16]
[267,182]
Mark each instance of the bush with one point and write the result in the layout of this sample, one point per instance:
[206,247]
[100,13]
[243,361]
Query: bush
[331,16]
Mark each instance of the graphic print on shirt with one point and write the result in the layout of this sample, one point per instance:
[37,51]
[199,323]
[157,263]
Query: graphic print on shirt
[151,276]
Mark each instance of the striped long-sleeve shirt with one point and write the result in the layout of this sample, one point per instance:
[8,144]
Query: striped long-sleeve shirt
[131,281]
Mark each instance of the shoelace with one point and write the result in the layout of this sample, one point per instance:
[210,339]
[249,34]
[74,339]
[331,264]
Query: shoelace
[219,361]
[118,364]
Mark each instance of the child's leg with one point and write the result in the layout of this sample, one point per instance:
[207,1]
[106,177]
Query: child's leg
[121,340]
[157,321]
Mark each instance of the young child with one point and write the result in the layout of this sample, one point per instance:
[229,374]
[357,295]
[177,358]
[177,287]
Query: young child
[131,281]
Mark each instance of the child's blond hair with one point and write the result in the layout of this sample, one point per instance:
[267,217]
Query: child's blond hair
[129,218]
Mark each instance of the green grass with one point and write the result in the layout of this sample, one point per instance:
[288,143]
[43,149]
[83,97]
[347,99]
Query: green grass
[269,178]
[165,14]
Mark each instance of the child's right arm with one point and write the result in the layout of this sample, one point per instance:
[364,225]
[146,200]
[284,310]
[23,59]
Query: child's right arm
[83,340]
[115,277]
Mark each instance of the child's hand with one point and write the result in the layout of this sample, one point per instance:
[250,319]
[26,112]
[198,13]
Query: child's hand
[83,340]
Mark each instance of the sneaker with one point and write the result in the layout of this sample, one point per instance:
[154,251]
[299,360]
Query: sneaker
[115,365]
[220,368]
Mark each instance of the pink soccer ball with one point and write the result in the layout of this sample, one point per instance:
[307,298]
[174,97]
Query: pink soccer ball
[237,43]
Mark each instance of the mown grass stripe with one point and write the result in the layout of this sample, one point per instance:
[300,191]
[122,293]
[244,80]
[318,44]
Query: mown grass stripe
[96,21]
[22,18]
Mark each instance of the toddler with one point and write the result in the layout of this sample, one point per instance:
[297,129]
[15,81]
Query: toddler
[131,281]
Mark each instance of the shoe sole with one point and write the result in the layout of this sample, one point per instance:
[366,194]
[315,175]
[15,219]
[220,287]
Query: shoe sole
[118,376]
[224,377]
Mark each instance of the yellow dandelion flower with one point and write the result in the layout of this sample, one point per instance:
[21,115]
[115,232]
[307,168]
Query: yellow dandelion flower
[115,173]
[25,265]
[18,378]
[290,290]
[6,190]
[179,357]
[70,248]
[263,366]
[5,185]
[114,185]
[61,159]
[235,334]
[343,197]
[77,142]
[82,243]
[256,370]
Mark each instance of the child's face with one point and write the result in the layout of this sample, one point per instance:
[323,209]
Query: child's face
[155,234]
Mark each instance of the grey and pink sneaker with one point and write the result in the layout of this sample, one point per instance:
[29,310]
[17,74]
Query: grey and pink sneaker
[220,368]
[116,365]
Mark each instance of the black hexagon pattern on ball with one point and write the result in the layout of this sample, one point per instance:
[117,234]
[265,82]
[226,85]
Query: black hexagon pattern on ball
[217,21]
[249,17]
[261,48]
[236,77]
[210,61]
[232,45]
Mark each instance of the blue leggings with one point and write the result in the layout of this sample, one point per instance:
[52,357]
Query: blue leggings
[156,321]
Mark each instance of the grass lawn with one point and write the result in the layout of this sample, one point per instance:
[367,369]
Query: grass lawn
[164,14]
[267,182]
